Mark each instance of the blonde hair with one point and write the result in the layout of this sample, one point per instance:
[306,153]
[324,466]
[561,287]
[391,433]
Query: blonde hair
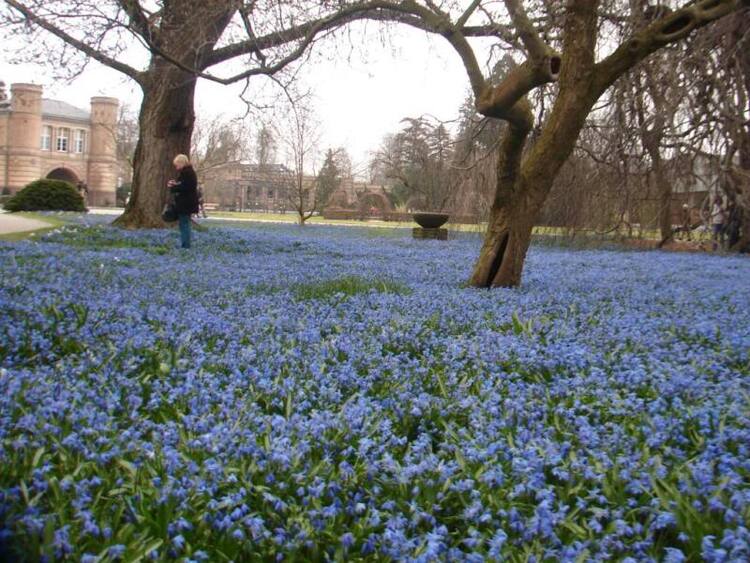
[181,159]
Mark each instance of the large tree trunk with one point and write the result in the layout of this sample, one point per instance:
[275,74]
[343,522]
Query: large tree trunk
[165,126]
[501,260]
[524,180]
[188,32]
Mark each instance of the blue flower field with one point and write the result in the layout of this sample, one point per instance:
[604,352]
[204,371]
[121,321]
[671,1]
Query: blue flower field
[317,394]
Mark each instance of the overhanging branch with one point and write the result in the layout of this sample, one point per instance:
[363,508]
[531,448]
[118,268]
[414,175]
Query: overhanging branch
[669,29]
[536,48]
[138,18]
[80,45]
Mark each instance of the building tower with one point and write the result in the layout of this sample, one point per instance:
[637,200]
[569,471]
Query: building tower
[24,130]
[102,169]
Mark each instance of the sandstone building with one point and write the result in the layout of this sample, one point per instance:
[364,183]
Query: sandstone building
[42,138]
[245,186]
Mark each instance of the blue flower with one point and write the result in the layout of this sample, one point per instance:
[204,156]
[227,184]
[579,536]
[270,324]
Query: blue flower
[116,551]
[258,399]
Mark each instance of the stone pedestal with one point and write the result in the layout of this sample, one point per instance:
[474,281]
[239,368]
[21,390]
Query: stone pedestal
[422,233]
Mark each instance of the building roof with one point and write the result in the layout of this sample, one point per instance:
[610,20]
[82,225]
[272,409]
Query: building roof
[56,108]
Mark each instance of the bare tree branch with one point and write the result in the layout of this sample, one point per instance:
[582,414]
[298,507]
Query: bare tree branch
[673,27]
[80,45]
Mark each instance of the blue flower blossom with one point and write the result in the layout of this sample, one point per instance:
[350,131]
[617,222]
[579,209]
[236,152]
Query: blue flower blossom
[286,390]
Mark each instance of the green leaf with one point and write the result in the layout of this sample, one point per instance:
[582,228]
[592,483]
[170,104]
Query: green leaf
[24,492]
[37,457]
[288,405]
[144,550]
[49,538]
[127,466]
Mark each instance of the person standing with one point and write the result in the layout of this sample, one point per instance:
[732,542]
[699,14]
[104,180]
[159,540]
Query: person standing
[185,190]
[201,204]
[717,222]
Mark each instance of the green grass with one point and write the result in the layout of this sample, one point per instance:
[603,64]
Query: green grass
[319,220]
[347,286]
[102,237]
[586,237]
[54,223]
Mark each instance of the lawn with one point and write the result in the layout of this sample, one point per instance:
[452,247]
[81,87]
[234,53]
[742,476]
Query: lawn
[53,220]
[320,220]
[326,393]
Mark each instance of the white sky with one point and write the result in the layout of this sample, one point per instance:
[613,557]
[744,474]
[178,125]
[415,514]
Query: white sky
[358,101]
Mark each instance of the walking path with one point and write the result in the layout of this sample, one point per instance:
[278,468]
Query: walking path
[11,223]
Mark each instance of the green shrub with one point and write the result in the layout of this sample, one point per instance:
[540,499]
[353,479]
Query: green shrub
[47,195]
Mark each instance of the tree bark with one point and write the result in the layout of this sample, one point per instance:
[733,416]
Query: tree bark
[742,179]
[652,136]
[501,260]
[521,191]
[665,204]
[166,124]
[524,180]
[652,143]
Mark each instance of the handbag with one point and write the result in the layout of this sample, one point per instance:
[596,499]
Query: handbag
[169,213]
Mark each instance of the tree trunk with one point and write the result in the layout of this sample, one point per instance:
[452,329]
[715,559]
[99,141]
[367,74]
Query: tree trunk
[525,179]
[743,180]
[501,260]
[165,126]
[664,191]
[665,209]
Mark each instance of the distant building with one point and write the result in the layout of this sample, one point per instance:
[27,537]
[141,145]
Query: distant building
[695,180]
[43,138]
[243,186]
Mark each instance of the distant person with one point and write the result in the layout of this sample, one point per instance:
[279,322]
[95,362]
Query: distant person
[201,204]
[83,190]
[717,222]
[185,190]
[685,221]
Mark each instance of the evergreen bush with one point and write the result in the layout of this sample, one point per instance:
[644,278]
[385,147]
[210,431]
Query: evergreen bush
[47,195]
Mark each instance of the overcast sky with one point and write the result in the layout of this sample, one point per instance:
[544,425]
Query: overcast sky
[358,101]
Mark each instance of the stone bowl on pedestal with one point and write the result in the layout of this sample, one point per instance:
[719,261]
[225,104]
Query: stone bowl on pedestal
[430,220]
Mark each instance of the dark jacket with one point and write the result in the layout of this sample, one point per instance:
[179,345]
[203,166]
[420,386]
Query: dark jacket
[186,192]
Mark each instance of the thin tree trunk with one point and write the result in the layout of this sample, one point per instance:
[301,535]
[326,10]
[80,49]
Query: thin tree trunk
[652,136]
[664,191]
[665,209]
[165,126]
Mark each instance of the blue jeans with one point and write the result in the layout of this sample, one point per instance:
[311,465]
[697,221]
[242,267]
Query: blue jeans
[184,230]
